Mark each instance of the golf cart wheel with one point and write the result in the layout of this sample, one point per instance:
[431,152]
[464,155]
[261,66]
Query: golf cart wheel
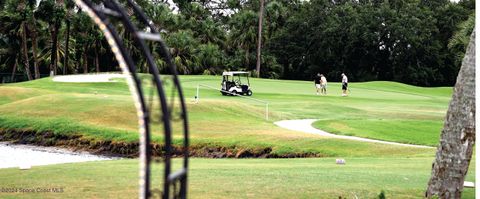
[234,93]
[224,93]
[249,93]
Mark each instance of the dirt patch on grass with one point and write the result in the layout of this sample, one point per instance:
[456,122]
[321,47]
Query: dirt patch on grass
[130,149]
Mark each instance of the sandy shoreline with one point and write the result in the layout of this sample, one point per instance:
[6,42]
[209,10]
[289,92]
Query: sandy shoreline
[19,155]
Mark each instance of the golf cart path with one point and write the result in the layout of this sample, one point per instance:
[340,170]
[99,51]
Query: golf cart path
[305,126]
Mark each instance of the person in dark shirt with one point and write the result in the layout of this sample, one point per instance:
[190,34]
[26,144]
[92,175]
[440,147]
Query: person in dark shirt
[316,81]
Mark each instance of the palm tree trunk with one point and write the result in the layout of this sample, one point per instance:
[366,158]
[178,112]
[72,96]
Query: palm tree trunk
[85,60]
[57,24]
[25,52]
[53,58]
[152,49]
[97,64]
[458,135]
[67,41]
[77,66]
[259,39]
[12,79]
[34,49]
[247,55]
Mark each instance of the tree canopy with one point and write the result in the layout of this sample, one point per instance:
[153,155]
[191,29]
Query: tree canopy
[417,42]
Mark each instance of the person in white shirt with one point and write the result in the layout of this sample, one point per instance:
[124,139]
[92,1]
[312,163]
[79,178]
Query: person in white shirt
[323,84]
[344,84]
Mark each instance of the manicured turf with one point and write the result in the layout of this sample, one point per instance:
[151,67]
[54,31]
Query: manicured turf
[237,178]
[424,132]
[105,111]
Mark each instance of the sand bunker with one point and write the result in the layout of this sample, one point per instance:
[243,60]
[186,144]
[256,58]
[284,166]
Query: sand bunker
[102,77]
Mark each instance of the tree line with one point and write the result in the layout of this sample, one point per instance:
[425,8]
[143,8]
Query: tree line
[419,42]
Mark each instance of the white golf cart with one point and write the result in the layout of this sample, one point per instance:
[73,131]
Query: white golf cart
[232,83]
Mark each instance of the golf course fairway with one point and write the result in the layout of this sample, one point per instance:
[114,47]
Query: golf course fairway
[100,117]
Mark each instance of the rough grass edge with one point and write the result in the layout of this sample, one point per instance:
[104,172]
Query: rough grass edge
[78,142]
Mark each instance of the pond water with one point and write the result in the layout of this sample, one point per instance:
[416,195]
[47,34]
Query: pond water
[26,156]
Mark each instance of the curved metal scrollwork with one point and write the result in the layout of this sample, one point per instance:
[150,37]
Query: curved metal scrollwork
[104,15]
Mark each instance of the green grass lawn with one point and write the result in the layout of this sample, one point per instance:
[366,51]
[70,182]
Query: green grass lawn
[424,132]
[104,111]
[237,178]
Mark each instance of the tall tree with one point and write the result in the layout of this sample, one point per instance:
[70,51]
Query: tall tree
[52,12]
[259,38]
[25,51]
[242,34]
[14,70]
[458,135]
[81,26]
[85,59]
[70,5]
[33,34]
[9,54]
[14,25]
[459,41]
[22,6]
[11,44]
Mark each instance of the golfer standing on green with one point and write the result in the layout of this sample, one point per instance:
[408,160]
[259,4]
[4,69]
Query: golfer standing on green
[344,84]
[323,84]
[316,81]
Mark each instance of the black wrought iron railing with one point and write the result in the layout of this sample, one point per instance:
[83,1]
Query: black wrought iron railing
[111,16]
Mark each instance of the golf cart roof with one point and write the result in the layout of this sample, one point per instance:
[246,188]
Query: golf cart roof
[232,73]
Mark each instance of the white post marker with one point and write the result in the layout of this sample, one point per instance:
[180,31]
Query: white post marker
[24,166]
[468,184]
[197,97]
[340,161]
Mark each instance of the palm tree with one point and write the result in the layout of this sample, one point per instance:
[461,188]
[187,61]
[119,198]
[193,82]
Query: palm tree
[162,16]
[23,32]
[183,46]
[52,11]
[459,41]
[14,24]
[81,24]
[34,36]
[9,53]
[275,17]
[46,53]
[259,38]
[243,33]
[210,31]
[14,70]
[210,57]
[19,18]
[32,26]
[85,59]
[70,5]
[95,38]
[458,135]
